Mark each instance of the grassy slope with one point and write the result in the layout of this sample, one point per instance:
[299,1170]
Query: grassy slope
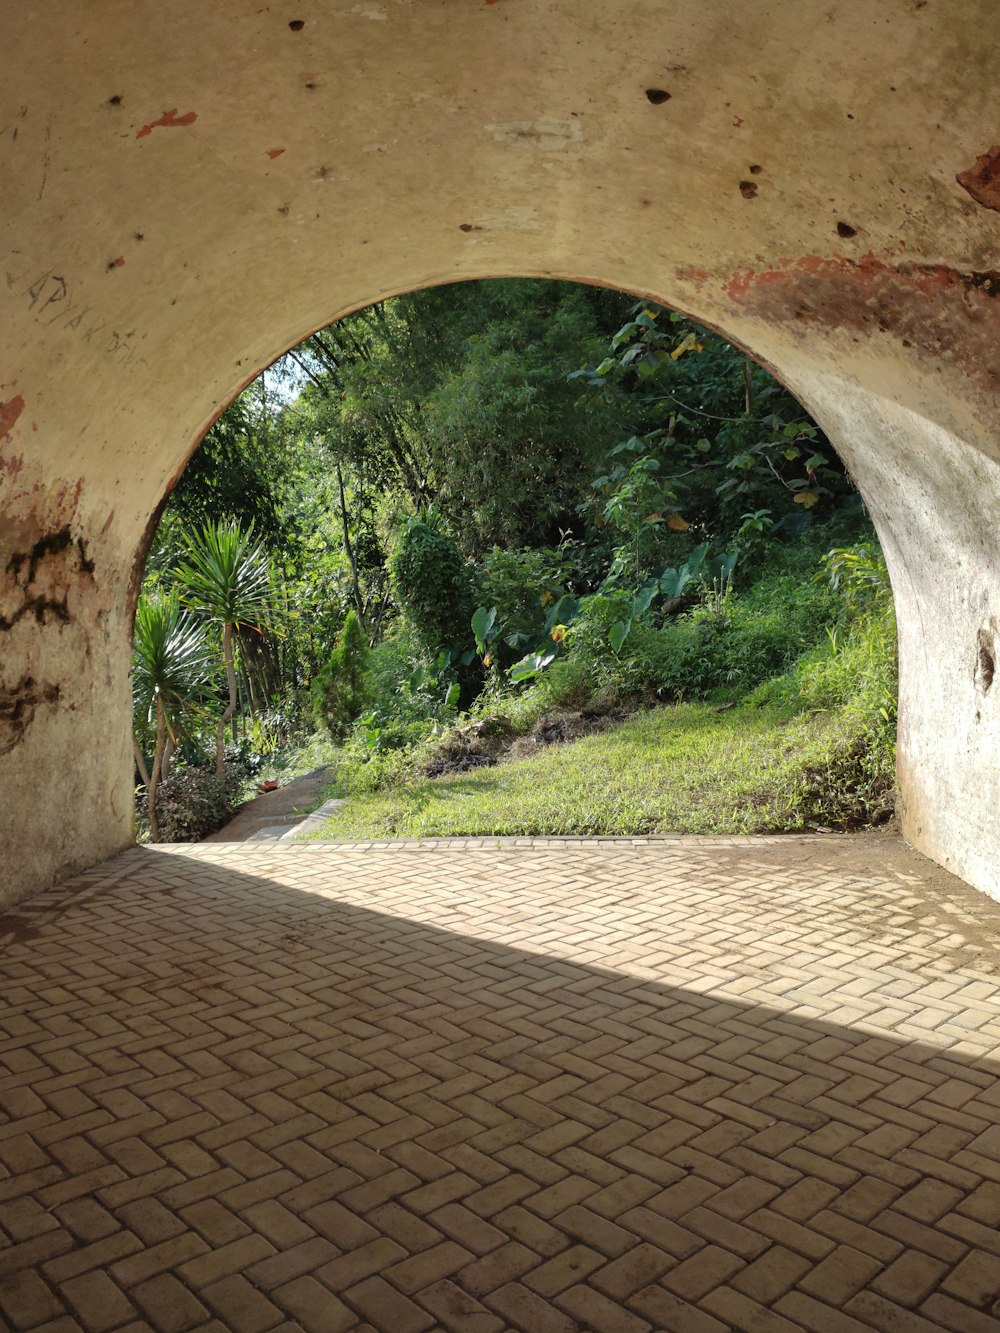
[688,768]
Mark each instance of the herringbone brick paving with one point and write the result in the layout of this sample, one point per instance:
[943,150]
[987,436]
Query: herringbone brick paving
[552,1086]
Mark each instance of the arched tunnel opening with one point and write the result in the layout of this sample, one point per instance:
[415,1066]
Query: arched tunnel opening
[909,470]
[476,519]
[775,180]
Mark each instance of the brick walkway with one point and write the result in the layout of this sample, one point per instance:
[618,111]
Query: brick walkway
[546,1087]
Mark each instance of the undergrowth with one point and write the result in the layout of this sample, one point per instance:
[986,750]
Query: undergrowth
[812,747]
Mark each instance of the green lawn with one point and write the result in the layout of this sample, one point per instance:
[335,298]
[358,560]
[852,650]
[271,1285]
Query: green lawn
[683,769]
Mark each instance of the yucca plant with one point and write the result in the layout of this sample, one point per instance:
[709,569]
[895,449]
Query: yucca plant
[172,662]
[225,576]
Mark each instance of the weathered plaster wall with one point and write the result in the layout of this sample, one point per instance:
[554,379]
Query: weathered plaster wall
[189,189]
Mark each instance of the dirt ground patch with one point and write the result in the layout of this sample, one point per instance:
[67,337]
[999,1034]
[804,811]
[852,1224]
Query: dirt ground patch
[490,740]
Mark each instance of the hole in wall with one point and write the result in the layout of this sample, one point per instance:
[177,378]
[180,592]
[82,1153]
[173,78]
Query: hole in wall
[657,96]
[297,25]
[985,661]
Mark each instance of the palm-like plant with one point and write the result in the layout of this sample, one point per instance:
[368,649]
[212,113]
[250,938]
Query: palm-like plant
[172,662]
[226,577]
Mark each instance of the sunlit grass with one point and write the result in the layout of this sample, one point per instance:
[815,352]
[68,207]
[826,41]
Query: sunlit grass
[689,768]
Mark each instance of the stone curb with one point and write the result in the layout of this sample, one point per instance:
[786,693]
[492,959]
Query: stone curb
[313,821]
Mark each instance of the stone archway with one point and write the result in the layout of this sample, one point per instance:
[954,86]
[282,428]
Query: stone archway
[190,190]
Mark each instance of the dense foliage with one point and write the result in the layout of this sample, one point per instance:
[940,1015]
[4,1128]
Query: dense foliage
[340,690]
[191,803]
[491,495]
[433,583]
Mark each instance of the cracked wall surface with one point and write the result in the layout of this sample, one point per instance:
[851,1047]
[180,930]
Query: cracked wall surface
[189,190]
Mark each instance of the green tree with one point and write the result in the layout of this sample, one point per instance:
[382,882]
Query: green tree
[226,578]
[340,691]
[434,583]
[235,474]
[457,396]
[725,440]
[172,663]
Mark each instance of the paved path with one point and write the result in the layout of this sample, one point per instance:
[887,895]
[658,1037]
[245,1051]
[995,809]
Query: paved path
[279,814]
[544,1087]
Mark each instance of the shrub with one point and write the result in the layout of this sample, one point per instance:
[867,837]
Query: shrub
[846,778]
[375,756]
[850,668]
[732,641]
[390,666]
[405,687]
[340,691]
[192,803]
[523,585]
[858,573]
[589,643]
[664,659]
[568,683]
[752,636]
[434,583]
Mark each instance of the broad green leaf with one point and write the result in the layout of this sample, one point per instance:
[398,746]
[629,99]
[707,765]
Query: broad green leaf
[643,598]
[725,564]
[564,612]
[482,622]
[530,666]
[632,445]
[697,558]
[619,633]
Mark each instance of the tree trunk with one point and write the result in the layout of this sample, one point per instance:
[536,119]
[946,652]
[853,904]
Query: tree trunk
[169,746]
[375,621]
[140,762]
[154,776]
[747,389]
[352,559]
[220,736]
